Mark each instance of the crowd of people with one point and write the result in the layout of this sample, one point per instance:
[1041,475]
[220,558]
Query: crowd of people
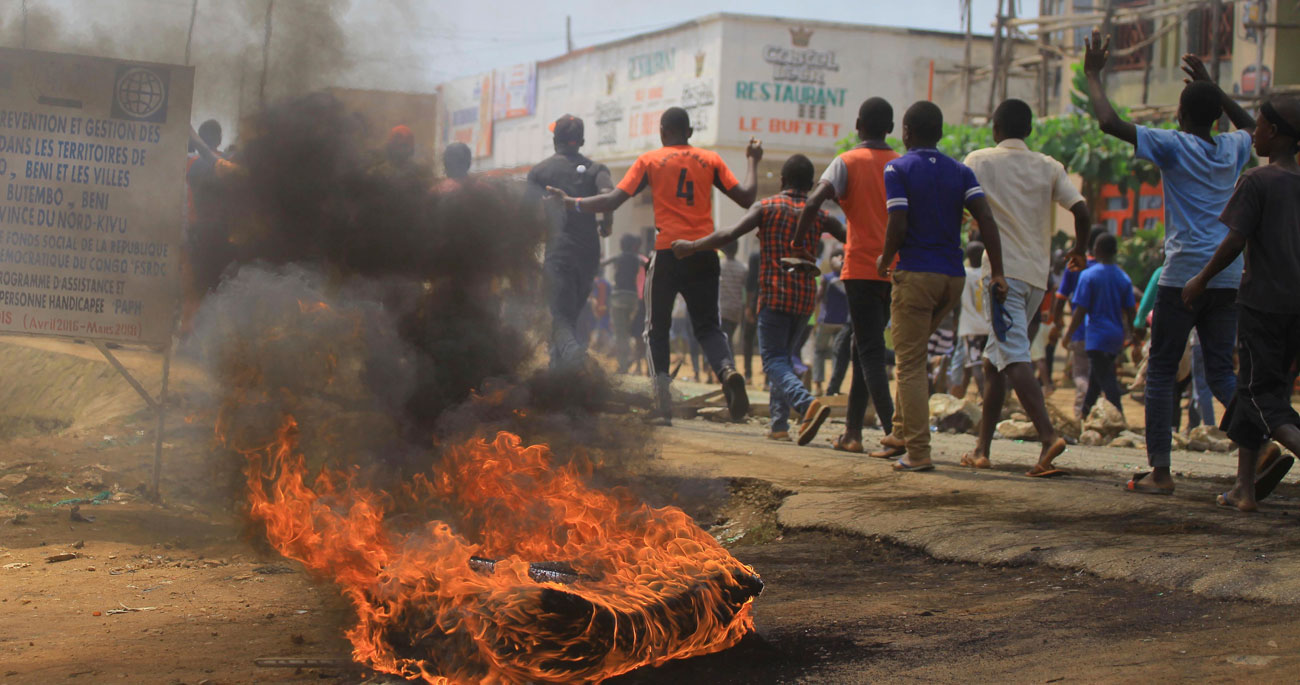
[990,302]
[942,270]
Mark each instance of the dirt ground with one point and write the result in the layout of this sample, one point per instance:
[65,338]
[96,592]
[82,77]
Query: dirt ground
[184,594]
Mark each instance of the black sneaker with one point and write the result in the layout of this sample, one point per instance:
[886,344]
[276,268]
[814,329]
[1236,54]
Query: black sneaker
[733,388]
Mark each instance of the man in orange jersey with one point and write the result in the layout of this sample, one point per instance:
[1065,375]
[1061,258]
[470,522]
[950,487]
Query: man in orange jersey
[856,181]
[682,178]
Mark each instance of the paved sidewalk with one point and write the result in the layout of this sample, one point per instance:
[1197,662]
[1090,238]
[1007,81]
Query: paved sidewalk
[1084,522]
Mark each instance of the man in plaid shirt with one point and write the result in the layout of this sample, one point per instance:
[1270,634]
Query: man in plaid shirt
[786,298]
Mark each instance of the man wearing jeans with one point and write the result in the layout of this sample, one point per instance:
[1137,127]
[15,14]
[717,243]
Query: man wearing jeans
[1200,171]
[926,195]
[786,298]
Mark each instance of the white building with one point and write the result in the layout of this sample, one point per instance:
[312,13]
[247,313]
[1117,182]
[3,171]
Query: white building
[794,84]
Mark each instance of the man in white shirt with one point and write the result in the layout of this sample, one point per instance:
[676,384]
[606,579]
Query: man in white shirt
[1022,185]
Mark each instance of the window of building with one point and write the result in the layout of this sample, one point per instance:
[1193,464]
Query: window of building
[1149,224]
[1130,35]
[1115,204]
[1082,33]
[1200,31]
[1151,202]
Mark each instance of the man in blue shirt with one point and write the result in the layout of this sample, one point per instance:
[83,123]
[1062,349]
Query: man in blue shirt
[927,193]
[1104,296]
[1200,171]
[1079,369]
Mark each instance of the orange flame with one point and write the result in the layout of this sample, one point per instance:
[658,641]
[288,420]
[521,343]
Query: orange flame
[648,585]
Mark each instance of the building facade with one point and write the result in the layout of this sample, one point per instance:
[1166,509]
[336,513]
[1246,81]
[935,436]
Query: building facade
[1258,45]
[796,85]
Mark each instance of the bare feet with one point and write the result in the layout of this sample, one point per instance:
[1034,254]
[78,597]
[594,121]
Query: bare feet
[1050,452]
[1160,478]
[976,460]
[1239,498]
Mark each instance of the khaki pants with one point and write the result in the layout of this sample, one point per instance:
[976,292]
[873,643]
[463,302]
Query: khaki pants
[921,301]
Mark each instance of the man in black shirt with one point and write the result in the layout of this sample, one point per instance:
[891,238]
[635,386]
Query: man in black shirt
[1263,218]
[573,246]
[207,240]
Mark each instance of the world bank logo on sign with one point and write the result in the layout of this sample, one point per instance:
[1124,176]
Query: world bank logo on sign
[140,94]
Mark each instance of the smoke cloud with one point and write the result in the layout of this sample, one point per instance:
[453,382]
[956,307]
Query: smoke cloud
[386,318]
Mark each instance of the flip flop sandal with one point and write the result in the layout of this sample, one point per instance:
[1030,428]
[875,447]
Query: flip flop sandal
[1146,489]
[889,453]
[809,430]
[1050,473]
[1272,475]
[1221,501]
[969,460]
[901,465]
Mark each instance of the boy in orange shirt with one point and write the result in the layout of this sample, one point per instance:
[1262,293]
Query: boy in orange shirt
[856,181]
[682,178]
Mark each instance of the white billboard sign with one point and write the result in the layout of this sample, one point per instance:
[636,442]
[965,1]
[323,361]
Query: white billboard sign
[92,157]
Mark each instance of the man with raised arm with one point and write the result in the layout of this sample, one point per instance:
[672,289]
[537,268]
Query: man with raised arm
[1199,170]
[681,178]
[573,246]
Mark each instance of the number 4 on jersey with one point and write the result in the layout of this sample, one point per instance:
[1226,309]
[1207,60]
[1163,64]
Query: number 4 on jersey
[686,189]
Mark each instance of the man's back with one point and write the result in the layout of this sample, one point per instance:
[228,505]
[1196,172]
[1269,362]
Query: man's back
[627,271]
[577,176]
[681,178]
[1106,292]
[858,177]
[1021,186]
[934,189]
[1199,177]
[778,289]
[1266,210]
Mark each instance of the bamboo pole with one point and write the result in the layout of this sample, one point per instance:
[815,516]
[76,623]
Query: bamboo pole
[997,58]
[189,35]
[966,67]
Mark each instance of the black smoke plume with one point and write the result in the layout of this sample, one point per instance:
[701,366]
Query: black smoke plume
[385,315]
